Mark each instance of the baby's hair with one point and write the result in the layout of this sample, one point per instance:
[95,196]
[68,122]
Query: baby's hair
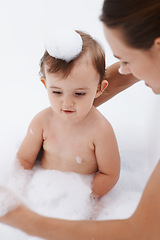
[64,68]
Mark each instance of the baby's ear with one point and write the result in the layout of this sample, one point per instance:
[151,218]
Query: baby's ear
[101,88]
[43,80]
[157,45]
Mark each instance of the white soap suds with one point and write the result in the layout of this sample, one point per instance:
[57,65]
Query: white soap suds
[65,44]
[78,160]
[31,131]
[8,201]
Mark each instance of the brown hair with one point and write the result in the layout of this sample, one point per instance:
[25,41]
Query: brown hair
[62,67]
[139,20]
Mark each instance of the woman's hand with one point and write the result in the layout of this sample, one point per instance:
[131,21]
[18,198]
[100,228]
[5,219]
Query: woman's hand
[116,83]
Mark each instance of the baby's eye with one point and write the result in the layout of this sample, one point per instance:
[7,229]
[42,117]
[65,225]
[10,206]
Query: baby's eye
[80,93]
[57,92]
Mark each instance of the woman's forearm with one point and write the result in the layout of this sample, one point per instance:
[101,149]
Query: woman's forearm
[56,229]
[116,83]
[87,230]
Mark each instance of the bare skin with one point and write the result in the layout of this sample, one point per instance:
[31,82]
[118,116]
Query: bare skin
[144,224]
[116,83]
[49,228]
[74,135]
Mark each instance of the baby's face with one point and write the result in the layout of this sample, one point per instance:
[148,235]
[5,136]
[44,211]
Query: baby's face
[72,97]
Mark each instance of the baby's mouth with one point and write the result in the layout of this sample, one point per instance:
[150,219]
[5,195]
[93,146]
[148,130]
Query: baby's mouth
[68,111]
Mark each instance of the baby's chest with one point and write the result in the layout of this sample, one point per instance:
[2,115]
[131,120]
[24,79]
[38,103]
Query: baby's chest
[63,146]
[76,154]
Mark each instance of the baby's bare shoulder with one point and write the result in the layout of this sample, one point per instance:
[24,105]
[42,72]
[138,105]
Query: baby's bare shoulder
[103,130]
[44,114]
[42,117]
[101,120]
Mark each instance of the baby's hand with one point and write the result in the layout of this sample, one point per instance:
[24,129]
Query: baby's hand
[8,201]
[97,206]
[93,196]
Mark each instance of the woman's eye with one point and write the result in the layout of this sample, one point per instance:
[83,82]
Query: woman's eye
[80,93]
[124,63]
[57,92]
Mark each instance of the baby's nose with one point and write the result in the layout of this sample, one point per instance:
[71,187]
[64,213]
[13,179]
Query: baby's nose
[68,102]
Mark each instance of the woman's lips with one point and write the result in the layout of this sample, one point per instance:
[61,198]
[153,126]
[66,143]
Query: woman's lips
[147,84]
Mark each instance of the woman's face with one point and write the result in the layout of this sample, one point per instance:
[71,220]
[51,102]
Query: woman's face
[143,64]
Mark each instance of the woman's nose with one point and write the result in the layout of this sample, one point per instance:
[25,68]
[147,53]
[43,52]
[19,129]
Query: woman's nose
[124,70]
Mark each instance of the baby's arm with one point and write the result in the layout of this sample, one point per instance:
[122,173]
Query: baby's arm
[108,160]
[31,144]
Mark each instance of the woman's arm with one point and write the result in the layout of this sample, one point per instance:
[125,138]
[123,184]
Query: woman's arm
[117,83]
[57,229]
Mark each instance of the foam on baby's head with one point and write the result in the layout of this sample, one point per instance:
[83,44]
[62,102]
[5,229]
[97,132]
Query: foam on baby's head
[64,48]
[65,44]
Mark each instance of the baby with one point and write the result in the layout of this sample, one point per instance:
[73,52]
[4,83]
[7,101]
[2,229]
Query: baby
[73,134]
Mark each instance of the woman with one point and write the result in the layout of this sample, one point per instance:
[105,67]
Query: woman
[132,30]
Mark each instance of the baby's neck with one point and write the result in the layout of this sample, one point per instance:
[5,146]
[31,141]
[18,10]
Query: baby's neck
[73,122]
